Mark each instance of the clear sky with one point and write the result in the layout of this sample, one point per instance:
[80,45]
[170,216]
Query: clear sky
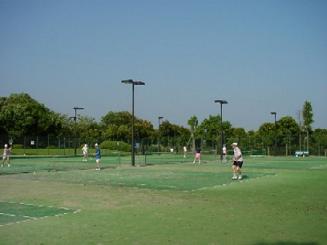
[260,56]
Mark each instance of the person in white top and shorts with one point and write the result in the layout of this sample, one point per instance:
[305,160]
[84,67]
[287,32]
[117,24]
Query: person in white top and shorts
[237,162]
[6,155]
[85,151]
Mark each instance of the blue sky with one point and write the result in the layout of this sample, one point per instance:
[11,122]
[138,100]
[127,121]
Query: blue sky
[260,56]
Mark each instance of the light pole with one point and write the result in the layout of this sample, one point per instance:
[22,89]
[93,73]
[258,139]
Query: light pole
[130,81]
[159,119]
[75,117]
[221,126]
[275,114]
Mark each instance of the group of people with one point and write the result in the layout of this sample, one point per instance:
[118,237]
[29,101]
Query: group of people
[85,151]
[237,159]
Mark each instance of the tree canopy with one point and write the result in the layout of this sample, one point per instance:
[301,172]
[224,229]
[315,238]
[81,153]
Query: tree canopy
[21,115]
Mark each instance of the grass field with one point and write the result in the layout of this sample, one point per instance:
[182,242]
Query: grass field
[168,200]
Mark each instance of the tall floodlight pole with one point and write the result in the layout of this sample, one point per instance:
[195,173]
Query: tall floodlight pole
[130,81]
[75,118]
[221,126]
[159,120]
[275,115]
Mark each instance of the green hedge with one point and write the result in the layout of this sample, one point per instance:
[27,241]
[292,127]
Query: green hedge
[115,146]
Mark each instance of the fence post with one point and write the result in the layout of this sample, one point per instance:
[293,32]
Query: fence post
[48,144]
[24,145]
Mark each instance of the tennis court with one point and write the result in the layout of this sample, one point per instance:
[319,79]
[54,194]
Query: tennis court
[164,171]
[281,200]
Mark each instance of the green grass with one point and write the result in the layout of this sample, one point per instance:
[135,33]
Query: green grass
[281,201]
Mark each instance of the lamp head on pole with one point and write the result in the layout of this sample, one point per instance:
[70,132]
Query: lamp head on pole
[221,101]
[78,108]
[130,81]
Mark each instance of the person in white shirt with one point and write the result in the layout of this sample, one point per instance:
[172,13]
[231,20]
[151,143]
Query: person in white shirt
[6,155]
[185,151]
[85,151]
[224,153]
[237,162]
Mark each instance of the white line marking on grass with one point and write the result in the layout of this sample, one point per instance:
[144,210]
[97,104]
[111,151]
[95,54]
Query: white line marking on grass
[65,208]
[29,218]
[319,167]
[230,183]
[11,215]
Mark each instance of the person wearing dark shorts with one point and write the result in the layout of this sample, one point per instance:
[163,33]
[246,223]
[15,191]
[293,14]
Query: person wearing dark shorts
[237,162]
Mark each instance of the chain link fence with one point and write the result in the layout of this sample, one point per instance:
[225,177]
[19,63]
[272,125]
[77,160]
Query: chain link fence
[67,145]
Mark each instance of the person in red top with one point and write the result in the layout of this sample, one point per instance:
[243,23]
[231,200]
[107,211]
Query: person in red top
[197,155]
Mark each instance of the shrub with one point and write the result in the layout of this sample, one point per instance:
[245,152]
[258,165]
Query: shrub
[115,145]
[18,146]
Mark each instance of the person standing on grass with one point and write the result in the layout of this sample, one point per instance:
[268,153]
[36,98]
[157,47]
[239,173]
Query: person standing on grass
[6,155]
[185,151]
[97,156]
[237,162]
[197,156]
[224,153]
[85,151]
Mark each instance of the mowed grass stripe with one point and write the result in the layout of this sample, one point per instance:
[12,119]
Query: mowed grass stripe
[181,178]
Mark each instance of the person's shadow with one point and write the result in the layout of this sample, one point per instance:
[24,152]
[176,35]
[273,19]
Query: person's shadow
[286,243]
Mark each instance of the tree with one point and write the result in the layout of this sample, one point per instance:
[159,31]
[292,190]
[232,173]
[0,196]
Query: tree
[21,115]
[320,140]
[193,123]
[239,135]
[116,126]
[307,119]
[210,130]
[172,135]
[88,129]
[266,133]
[287,132]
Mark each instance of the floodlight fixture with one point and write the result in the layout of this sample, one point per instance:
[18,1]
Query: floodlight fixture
[128,81]
[221,102]
[131,81]
[78,108]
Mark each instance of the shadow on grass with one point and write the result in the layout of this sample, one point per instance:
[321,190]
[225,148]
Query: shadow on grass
[286,243]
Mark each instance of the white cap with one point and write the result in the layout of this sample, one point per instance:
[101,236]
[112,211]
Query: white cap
[96,144]
[234,144]
[6,145]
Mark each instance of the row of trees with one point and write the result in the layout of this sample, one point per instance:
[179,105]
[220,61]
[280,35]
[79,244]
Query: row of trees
[22,116]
